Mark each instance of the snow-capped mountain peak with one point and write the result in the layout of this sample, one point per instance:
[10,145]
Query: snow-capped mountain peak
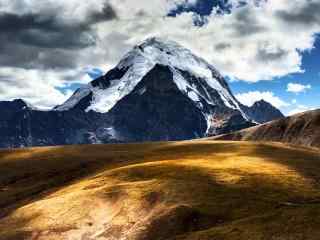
[159,91]
[166,52]
[139,61]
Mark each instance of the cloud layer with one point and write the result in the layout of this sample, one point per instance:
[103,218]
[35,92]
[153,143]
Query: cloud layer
[250,98]
[297,87]
[54,42]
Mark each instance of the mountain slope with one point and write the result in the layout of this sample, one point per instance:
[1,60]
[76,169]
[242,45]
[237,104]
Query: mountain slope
[300,129]
[175,190]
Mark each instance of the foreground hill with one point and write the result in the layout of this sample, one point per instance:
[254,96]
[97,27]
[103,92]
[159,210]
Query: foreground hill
[186,190]
[300,129]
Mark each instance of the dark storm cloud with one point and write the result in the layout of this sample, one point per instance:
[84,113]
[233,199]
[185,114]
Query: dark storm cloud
[43,31]
[308,15]
[29,56]
[263,55]
[44,40]
[246,24]
[10,22]
[222,46]
[28,41]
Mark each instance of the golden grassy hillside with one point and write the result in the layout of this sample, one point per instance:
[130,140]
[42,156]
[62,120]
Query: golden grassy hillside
[301,129]
[197,190]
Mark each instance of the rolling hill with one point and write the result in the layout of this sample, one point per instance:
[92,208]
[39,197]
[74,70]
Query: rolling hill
[300,129]
[174,190]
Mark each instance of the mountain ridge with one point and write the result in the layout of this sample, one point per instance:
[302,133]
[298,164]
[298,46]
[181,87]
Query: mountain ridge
[158,91]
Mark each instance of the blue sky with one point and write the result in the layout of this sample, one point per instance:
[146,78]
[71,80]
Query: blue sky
[308,99]
[267,49]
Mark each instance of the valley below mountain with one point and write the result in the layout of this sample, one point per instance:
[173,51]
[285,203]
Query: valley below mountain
[168,190]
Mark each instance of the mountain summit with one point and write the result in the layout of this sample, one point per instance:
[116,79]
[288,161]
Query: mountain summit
[121,81]
[158,91]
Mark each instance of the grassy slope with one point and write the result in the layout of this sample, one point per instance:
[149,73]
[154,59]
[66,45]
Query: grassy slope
[187,190]
[301,129]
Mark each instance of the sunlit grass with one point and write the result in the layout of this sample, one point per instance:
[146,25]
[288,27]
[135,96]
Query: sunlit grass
[185,190]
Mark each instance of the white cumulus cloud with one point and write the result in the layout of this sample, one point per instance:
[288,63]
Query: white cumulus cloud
[249,98]
[36,87]
[297,88]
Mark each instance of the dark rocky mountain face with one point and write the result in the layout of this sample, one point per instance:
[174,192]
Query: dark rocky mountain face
[157,110]
[21,126]
[159,91]
[14,123]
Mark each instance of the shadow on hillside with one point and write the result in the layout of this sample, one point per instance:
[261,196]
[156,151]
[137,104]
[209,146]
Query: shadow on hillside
[208,200]
[27,175]
[304,161]
[30,177]
[195,198]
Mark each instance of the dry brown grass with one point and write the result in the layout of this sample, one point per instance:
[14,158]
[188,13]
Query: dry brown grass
[302,129]
[178,190]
